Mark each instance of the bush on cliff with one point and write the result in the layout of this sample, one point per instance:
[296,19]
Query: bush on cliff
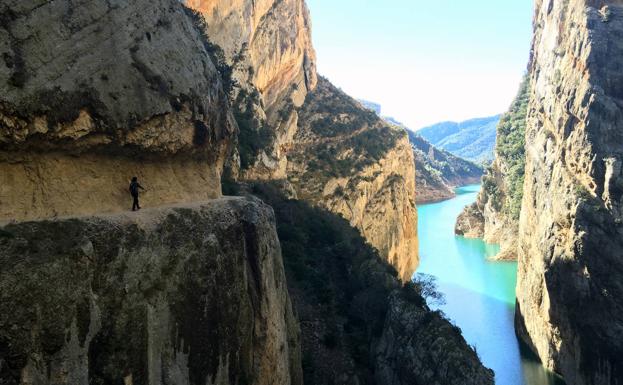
[510,149]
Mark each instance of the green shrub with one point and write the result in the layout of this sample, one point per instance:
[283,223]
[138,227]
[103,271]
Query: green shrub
[510,149]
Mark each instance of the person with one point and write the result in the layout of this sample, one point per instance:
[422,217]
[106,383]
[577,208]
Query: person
[134,187]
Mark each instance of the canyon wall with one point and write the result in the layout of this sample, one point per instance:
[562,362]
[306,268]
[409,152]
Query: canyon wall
[188,294]
[268,46]
[94,93]
[570,293]
[495,214]
[346,159]
[192,290]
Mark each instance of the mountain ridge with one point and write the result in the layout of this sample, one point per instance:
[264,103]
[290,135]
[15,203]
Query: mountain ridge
[472,139]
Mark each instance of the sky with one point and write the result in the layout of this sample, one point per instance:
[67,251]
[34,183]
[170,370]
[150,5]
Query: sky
[425,61]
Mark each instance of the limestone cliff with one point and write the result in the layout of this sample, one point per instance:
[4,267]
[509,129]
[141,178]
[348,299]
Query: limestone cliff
[268,45]
[345,158]
[570,292]
[188,294]
[495,214]
[92,93]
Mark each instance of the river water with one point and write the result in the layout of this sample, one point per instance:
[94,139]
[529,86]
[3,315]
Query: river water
[479,294]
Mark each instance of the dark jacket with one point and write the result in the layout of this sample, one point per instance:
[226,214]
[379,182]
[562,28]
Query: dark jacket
[134,187]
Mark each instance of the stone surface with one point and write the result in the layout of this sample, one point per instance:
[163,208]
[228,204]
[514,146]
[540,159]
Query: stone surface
[570,292]
[187,294]
[470,223]
[345,158]
[418,346]
[121,83]
[268,44]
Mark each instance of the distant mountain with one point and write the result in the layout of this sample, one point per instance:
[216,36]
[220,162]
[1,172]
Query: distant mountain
[438,171]
[472,139]
[371,106]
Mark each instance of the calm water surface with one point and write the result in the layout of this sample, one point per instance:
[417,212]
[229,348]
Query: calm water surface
[480,295]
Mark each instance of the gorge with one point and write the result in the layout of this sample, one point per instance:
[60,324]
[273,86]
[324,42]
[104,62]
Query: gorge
[195,98]
[561,199]
[280,233]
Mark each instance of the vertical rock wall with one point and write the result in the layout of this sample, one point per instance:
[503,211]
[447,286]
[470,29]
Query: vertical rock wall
[192,294]
[570,292]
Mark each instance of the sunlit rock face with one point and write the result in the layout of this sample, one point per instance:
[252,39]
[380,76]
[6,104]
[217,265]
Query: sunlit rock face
[188,294]
[570,291]
[348,160]
[268,44]
[92,93]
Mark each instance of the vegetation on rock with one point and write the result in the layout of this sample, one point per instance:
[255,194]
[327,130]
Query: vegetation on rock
[510,158]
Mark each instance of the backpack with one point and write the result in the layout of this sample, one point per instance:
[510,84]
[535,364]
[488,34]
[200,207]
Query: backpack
[134,188]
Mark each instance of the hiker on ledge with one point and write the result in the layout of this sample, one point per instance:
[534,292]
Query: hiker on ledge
[134,187]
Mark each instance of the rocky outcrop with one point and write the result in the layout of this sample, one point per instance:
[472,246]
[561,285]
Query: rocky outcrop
[92,93]
[345,158]
[186,294]
[570,292]
[421,347]
[438,172]
[495,214]
[268,45]
[470,223]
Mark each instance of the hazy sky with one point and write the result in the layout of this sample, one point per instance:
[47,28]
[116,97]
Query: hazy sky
[425,61]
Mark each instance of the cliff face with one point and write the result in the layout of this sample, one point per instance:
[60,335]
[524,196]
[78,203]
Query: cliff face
[495,214]
[94,93]
[432,342]
[180,295]
[570,293]
[438,172]
[268,45]
[345,158]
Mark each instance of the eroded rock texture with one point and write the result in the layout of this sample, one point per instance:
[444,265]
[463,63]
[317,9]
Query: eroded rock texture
[179,295]
[92,93]
[418,346]
[268,44]
[570,292]
[345,158]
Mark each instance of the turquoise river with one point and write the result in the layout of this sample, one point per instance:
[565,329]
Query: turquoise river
[479,294]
